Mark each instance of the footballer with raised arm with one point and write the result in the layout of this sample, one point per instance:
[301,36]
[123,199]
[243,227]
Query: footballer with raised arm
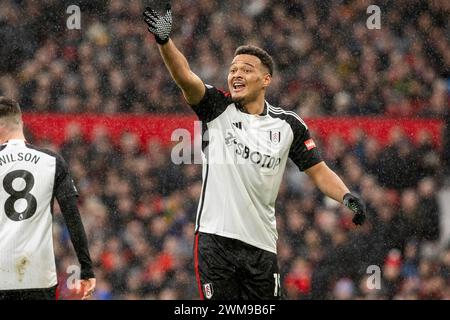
[236,235]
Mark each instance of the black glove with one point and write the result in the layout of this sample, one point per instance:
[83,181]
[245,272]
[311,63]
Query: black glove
[159,26]
[357,206]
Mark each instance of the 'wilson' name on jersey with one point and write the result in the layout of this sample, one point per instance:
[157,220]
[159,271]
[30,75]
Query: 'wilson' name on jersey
[7,158]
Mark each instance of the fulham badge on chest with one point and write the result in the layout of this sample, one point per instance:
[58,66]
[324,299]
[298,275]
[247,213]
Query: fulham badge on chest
[275,136]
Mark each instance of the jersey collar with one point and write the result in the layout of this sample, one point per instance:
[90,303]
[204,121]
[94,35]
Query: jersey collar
[242,109]
[15,141]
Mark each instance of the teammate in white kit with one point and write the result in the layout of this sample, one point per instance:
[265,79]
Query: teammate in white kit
[30,179]
[244,159]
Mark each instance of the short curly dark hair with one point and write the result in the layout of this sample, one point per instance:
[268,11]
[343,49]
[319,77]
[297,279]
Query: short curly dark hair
[9,107]
[265,58]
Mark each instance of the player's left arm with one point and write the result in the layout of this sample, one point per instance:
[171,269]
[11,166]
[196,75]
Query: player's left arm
[306,156]
[72,218]
[327,181]
[66,194]
[332,186]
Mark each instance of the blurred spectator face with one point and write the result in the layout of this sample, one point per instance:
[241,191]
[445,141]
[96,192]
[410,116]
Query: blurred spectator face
[134,281]
[367,184]
[326,220]
[296,222]
[125,205]
[171,246]
[9,13]
[41,100]
[73,131]
[71,104]
[425,268]
[91,83]
[409,200]
[409,289]
[100,134]
[424,138]
[433,288]
[158,227]
[194,190]
[339,237]
[111,105]
[9,87]
[247,77]
[71,85]
[117,81]
[168,294]
[336,146]
[411,250]
[57,70]
[43,81]
[366,290]
[396,136]
[354,174]
[85,52]
[344,289]
[312,238]
[446,257]
[392,265]
[94,103]
[342,101]
[285,252]
[426,187]
[299,278]
[404,149]
[439,97]
[385,213]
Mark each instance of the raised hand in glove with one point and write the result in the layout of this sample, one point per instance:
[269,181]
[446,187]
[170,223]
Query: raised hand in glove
[357,206]
[159,26]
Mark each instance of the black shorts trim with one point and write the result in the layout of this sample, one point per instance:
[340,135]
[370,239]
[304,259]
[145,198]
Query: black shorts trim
[30,294]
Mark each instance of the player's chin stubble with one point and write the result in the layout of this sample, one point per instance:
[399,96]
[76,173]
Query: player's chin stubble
[237,99]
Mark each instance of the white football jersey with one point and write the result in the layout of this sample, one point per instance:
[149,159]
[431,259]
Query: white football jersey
[244,158]
[30,178]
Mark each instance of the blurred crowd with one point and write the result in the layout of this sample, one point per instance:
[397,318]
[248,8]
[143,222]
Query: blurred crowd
[139,211]
[139,208]
[328,61]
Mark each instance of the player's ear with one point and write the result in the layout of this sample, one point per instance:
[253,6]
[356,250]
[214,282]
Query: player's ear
[266,80]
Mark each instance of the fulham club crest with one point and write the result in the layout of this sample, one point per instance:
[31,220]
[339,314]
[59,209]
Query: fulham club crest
[275,136]
[208,290]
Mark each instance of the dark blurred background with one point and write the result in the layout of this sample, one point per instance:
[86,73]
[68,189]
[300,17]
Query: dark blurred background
[139,208]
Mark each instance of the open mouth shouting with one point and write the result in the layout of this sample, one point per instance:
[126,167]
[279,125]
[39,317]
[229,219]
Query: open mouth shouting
[238,86]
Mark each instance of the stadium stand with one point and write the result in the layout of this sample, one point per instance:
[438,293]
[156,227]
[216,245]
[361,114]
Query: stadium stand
[139,208]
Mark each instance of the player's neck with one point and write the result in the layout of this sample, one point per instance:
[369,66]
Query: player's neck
[256,106]
[11,136]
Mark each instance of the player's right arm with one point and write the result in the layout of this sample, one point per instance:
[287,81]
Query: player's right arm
[191,85]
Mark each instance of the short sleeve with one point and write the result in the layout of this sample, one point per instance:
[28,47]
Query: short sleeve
[213,103]
[303,152]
